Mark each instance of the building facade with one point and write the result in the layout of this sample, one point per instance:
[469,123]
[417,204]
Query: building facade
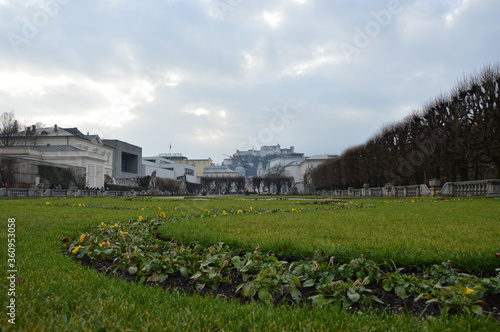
[166,168]
[127,159]
[66,146]
[300,167]
[200,164]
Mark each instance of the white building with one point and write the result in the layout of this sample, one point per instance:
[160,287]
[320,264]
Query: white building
[297,167]
[168,169]
[66,146]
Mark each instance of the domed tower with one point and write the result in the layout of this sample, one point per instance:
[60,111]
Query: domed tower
[240,170]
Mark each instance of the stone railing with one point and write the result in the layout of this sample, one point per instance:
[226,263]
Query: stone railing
[21,192]
[387,191]
[410,191]
[487,188]
[490,188]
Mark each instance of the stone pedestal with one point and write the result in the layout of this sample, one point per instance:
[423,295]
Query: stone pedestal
[435,186]
[388,189]
[366,188]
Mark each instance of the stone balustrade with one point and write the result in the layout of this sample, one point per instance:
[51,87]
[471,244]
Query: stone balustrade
[486,188]
[21,192]
[489,188]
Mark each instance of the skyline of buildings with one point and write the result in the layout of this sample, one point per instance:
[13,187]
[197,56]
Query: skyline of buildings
[124,162]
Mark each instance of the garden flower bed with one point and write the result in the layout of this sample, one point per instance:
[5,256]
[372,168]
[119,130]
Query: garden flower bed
[133,250]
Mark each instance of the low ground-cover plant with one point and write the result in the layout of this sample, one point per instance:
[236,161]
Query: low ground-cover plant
[133,246]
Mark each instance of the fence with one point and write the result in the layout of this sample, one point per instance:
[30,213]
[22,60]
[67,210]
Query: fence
[487,188]
[490,188]
[20,192]
[387,191]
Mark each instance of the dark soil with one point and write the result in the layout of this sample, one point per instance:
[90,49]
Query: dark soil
[392,303]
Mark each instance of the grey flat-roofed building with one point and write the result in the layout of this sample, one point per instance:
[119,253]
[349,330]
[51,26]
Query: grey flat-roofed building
[127,159]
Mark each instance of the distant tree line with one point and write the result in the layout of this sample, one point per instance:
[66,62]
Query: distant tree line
[455,137]
[274,182]
[222,184]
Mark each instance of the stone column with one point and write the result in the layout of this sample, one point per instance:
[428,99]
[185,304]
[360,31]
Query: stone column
[350,191]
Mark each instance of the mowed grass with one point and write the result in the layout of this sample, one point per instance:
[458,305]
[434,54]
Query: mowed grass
[57,294]
[411,233]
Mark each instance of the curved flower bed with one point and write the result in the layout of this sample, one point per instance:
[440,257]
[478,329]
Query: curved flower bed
[133,249]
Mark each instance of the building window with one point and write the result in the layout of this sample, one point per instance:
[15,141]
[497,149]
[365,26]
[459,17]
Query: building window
[99,172]
[129,162]
[188,171]
[91,170]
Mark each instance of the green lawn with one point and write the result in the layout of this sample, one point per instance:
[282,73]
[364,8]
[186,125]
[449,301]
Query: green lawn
[467,232]
[57,294]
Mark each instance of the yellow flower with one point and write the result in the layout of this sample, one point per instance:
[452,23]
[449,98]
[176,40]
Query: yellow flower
[79,205]
[250,209]
[48,203]
[82,236]
[123,233]
[162,214]
[215,215]
[142,209]
[159,208]
[224,212]
[293,210]
[103,224]
[141,218]
[240,211]
[74,251]
[469,291]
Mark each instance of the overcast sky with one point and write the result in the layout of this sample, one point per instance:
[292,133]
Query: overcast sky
[213,76]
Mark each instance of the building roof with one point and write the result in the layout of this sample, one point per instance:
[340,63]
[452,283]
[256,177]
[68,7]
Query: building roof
[56,131]
[240,169]
[321,157]
[217,169]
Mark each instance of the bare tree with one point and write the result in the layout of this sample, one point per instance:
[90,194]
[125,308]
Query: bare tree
[9,129]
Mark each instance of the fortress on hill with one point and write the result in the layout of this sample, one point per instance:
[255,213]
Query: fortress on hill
[257,162]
